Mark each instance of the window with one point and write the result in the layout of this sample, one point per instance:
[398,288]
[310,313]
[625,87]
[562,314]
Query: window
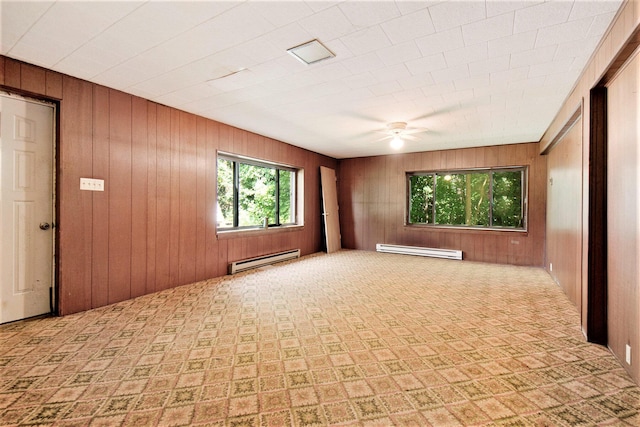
[485,198]
[251,192]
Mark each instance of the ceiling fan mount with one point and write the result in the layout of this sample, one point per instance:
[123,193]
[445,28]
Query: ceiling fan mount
[397,128]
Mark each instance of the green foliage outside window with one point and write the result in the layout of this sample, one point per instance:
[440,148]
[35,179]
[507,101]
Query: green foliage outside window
[263,191]
[486,198]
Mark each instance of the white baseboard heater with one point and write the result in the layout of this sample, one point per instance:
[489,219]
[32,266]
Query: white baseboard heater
[261,261]
[415,250]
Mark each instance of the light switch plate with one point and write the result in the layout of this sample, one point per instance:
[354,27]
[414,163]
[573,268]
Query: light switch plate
[91,184]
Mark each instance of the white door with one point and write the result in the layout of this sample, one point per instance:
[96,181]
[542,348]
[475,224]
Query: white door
[26,208]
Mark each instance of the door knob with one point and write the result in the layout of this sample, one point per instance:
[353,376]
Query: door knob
[45,226]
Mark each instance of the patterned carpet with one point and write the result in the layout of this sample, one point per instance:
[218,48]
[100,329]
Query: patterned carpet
[353,338]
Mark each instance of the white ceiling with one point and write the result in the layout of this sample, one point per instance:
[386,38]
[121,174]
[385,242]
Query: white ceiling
[473,72]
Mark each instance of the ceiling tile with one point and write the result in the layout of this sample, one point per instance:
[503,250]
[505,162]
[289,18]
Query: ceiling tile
[600,24]
[407,95]
[450,74]
[328,24]
[513,74]
[488,29]
[512,44]
[367,40]
[438,89]
[416,82]
[583,47]
[426,64]
[65,27]
[288,36]
[156,22]
[466,54]
[407,7]
[87,62]
[363,63]
[453,14]
[489,65]
[585,9]
[399,53]
[553,67]
[533,56]
[360,80]
[395,72]
[385,88]
[365,14]
[122,76]
[409,27]
[45,51]
[318,6]
[474,82]
[569,31]
[16,18]
[394,62]
[541,15]
[279,16]
[440,42]
[499,7]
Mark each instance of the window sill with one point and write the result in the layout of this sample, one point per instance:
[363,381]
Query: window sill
[258,231]
[473,230]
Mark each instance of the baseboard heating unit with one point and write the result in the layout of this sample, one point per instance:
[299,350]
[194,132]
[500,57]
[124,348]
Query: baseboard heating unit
[415,250]
[261,261]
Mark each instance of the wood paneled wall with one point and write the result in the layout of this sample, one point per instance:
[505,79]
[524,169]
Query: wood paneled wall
[153,227]
[621,39]
[623,215]
[564,214]
[372,198]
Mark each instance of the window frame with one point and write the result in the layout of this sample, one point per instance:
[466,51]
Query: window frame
[490,170]
[236,160]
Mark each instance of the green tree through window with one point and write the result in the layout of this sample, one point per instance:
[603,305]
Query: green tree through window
[490,198]
[250,191]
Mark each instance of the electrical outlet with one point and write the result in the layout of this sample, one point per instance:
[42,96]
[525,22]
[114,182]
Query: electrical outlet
[550,266]
[91,184]
[627,356]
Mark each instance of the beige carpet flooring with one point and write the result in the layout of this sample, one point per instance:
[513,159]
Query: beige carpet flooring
[353,338]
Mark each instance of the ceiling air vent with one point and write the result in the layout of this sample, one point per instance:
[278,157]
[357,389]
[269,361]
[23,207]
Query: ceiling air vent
[311,52]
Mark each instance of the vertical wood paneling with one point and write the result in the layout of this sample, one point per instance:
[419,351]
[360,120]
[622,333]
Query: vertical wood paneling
[12,70]
[53,85]
[623,215]
[174,198]
[373,198]
[154,225]
[163,197]
[139,191]
[201,199]
[74,220]
[616,47]
[33,79]
[100,236]
[2,62]
[152,196]
[564,215]
[120,196]
[188,182]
